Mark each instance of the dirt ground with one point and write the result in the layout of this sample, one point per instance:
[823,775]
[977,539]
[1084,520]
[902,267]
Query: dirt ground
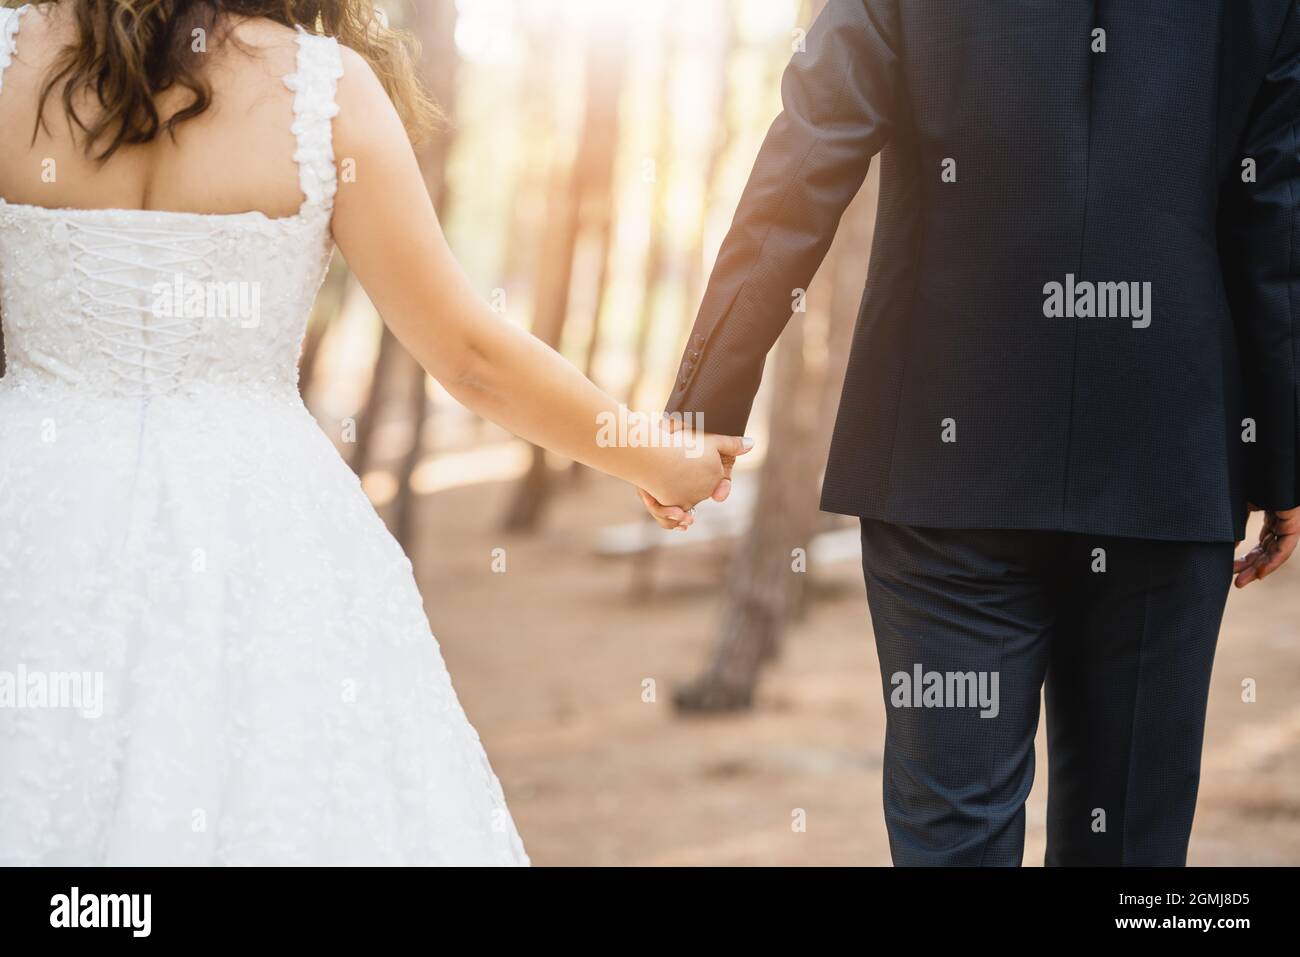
[550,659]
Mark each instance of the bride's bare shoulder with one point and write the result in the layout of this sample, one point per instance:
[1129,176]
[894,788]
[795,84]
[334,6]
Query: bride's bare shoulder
[257,34]
[367,116]
[252,47]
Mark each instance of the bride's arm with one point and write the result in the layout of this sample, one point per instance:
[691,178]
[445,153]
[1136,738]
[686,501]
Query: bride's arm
[385,225]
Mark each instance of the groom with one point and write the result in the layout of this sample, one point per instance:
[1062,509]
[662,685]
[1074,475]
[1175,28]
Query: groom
[1074,367]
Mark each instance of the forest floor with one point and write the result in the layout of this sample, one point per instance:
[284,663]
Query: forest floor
[551,656]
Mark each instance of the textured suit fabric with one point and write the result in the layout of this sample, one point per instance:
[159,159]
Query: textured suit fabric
[964,405]
[1125,652]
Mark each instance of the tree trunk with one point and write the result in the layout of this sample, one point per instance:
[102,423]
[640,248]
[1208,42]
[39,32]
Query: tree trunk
[435,25]
[573,194]
[397,376]
[656,264]
[368,418]
[601,205]
[721,146]
[329,304]
[536,120]
[767,576]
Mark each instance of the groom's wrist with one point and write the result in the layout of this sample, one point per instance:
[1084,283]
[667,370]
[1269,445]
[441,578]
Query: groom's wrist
[715,418]
[718,397]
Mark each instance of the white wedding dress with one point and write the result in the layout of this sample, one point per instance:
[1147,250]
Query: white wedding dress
[173,521]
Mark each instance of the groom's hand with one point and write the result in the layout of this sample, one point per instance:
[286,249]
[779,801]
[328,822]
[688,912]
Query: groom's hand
[676,517]
[1277,540]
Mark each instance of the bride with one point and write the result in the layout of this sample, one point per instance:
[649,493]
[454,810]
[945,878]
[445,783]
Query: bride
[174,528]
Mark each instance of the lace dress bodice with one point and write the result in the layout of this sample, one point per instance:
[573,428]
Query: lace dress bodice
[140,303]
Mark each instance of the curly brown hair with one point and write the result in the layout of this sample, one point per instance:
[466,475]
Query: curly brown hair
[128,52]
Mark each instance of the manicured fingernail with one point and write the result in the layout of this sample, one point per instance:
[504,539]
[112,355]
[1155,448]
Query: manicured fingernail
[747,443]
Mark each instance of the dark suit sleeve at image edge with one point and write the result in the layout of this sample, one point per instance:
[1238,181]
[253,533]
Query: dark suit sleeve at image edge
[1262,271]
[838,94]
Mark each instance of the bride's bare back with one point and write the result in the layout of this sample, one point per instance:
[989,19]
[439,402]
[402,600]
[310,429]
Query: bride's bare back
[235,157]
[238,157]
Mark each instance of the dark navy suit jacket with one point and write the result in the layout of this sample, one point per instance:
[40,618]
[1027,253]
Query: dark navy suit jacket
[1086,143]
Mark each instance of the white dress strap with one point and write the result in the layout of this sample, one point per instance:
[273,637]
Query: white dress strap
[314,107]
[10,19]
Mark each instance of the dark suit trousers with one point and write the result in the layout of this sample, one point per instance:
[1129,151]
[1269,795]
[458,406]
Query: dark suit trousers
[1122,633]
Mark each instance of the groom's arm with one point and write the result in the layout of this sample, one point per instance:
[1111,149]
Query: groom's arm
[1261,246]
[839,98]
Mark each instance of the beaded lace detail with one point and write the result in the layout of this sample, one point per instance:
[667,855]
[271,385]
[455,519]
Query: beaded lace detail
[174,525]
[314,108]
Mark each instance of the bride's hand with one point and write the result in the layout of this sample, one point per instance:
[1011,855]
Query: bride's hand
[698,468]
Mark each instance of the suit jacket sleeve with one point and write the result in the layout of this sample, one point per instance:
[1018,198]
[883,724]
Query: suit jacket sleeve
[838,97]
[1262,271]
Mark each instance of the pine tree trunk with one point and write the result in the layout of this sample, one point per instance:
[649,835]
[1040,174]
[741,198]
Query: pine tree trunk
[329,304]
[435,25]
[656,264]
[767,576]
[721,146]
[572,196]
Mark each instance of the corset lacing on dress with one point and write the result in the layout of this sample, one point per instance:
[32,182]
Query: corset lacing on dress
[147,349]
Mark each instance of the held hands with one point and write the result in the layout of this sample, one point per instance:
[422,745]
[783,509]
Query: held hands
[1277,540]
[691,479]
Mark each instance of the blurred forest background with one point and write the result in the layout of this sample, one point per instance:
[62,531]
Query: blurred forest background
[592,159]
